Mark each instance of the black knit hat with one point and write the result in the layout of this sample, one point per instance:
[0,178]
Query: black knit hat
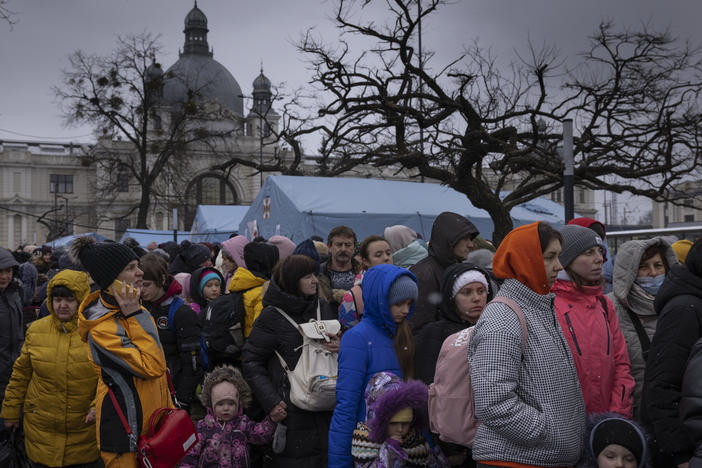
[260,258]
[693,261]
[104,261]
[194,255]
[618,431]
[576,240]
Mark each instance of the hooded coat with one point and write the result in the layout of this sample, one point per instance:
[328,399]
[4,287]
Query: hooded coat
[679,307]
[591,328]
[127,355]
[234,248]
[529,405]
[53,383]
[11,321]
[306,438]
[365,350]
[251,286]
[448,229]
[628,296]
[432,337]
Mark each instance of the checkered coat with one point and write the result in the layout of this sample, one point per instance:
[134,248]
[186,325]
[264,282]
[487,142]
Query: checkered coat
[531,408]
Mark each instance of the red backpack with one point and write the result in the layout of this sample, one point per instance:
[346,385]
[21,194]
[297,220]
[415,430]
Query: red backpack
[451,406]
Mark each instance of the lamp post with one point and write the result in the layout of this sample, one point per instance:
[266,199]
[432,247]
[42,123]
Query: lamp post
[569,172]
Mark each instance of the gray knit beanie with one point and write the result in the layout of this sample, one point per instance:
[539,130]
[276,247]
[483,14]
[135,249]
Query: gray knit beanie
[403,288]
[576,240]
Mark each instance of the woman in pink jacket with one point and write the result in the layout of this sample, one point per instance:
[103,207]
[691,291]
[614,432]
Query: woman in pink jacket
[590,325]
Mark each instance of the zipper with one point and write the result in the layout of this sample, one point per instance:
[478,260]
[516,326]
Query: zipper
[605,314]
[572,333]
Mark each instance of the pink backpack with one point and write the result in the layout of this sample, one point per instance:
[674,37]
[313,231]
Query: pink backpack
[451,406]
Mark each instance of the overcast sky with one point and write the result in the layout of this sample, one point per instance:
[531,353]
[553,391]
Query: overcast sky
[245,33]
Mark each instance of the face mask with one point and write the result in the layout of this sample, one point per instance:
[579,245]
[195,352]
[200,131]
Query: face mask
[650,284]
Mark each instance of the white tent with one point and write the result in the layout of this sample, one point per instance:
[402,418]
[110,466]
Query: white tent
[215,223]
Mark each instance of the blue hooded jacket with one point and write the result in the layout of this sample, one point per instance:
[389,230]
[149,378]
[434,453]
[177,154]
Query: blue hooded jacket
[365,350]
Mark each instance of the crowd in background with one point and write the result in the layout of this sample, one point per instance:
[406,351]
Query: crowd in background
[576,357]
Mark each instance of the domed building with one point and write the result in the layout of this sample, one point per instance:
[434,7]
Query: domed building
[200,85]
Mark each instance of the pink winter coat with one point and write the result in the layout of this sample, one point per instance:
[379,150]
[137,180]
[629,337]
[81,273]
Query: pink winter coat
[598,347]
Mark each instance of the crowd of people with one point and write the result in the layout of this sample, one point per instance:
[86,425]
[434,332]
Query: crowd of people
[574,357]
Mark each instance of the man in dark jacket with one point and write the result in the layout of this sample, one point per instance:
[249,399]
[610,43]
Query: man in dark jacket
[451,242]
[679,307]
[338,273]
[11,327]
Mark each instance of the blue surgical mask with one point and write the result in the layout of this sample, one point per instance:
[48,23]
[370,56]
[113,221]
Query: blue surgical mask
[650,284]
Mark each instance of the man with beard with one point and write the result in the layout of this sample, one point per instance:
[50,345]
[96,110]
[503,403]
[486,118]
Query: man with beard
[337,274]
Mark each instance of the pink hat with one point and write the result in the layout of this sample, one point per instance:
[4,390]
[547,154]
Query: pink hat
[234,248]
[285,245]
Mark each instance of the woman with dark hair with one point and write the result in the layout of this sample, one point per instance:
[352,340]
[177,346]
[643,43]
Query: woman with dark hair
[54,383]
[374,250]
[526,391]
[639,271]
[293,289]
[591,326]
[381,342]
[178,326]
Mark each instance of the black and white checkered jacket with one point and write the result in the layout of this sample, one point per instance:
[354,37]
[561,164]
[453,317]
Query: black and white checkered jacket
[531,408]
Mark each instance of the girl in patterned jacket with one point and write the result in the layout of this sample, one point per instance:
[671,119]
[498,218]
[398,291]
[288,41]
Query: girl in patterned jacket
[225,433]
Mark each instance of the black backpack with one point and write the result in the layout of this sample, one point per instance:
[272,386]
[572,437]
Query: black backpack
[223,328]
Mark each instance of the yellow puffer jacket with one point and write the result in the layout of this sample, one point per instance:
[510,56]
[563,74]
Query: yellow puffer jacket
[127,354]
[254,289]
[54,381]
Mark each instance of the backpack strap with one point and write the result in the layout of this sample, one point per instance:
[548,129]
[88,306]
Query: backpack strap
[175,304]
[289,319]
[520,315]
[357,295]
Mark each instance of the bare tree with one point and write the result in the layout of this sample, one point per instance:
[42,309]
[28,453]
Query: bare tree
[492,131]
[121,95]
[6,14]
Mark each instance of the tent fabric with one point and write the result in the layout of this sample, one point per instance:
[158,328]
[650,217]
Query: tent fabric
[299,207]
[145,236]
[215,223]
[65,240]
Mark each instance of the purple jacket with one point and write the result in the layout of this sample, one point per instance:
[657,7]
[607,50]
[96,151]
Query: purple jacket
[228,446]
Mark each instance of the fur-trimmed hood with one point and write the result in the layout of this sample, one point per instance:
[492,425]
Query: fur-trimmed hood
[225,374]
[386,394]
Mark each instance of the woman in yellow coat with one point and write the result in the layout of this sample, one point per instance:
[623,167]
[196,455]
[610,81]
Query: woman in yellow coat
[54,381]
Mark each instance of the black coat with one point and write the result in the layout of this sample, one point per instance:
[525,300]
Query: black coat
[180,342]
[11,331]
[307,431]
[431,338]
[679,308]
[447,230]
[691,401]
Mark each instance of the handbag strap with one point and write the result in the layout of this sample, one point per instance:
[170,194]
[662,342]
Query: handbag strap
[641,332]
[122,417]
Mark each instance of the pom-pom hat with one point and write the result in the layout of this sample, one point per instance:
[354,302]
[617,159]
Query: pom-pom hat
[103,261]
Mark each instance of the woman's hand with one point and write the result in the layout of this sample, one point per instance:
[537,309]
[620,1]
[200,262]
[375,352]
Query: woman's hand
[278,413]
[334,344]
[128,299]
[90,417]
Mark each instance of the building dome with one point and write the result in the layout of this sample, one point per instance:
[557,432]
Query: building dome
[196,18]
[203,76]
[261,82]
[197,75]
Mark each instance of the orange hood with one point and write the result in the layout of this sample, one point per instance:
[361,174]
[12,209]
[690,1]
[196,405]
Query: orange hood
[519,257]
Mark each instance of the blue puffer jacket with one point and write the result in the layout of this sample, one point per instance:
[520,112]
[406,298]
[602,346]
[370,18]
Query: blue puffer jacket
[366,349]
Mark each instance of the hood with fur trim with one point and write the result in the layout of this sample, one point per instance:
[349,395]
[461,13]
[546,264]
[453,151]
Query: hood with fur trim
[588,458]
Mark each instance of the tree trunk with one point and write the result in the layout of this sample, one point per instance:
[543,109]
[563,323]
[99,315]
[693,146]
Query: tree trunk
[144,205]
[502,223]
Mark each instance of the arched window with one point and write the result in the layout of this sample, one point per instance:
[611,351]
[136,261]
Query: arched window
[207,189]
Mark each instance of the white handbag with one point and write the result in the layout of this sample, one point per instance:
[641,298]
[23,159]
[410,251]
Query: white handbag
[313,381]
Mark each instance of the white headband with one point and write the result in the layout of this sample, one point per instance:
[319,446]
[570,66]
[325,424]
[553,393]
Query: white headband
[470,276]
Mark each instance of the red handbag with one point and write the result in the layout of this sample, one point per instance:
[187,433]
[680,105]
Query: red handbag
[169,436]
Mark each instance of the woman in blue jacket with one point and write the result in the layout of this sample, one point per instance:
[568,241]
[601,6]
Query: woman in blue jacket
[382,341]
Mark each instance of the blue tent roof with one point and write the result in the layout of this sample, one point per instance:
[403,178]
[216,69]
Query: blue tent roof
[65,240]
[145,236]
[215,223]
[305,206]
